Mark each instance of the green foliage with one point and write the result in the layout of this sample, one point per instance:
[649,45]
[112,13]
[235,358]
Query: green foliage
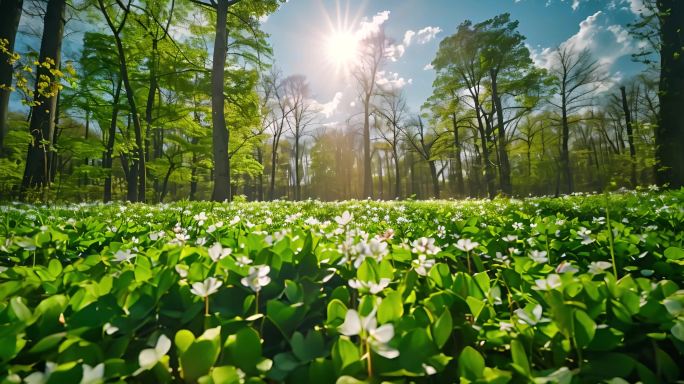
[354,292]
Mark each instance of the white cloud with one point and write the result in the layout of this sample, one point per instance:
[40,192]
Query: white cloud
[395,52]
[575,4]
[408,36]
[428,67]
[327,109]
[427,34]
[370,27]
[607,43]
[390,81]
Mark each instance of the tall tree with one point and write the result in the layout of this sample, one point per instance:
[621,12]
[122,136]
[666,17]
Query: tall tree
[137,170]
[9,23]
[576,76]
[670,129]
[42,125]
[393,109]
[372,56]
[298,96]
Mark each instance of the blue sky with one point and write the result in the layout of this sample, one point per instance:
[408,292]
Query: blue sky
[300,27]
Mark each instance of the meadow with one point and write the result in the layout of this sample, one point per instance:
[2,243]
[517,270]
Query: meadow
[583,288]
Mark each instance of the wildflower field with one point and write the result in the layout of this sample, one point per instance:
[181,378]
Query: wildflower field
[580,289]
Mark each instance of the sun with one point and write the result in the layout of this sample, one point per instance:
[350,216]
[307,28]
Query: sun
[342,49]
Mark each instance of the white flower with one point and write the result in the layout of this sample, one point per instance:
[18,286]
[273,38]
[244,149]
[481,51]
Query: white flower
[211,228]
[422,265]
[121,255]
[154,236]
[41,377]
[243,261]
[510,238]
[110,329]
[552,281]
[525,318]
[92,375]
[539,257]
[566,267]
[505,326]
[367,328]
[182,270]
[200,218]
[466,245]
[583,233]
[207,287]
[425,246]
[217,252]
[344,219]
[371,286]
[257,277]
[596,267]
[517,225]
[149,357]
[235,220]
[201,241]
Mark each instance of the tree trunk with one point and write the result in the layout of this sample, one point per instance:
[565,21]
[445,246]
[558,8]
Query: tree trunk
[669,134]
[435,178]
[486,163]
[565,151]
[460,184]
[381,188]
[220,133]
[42,124]
[274,164]
[9,23]
[109,149]
[367,172]
[504,164]
[630,137]
[397,179]
[298,186]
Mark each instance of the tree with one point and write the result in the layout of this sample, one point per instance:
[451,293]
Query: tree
[423,142]
[393,110]
[9,23]
[372,56]
[576,77]
[42,125]
[298,97]
[670,130]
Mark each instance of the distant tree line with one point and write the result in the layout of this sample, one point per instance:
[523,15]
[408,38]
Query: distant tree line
[141,112]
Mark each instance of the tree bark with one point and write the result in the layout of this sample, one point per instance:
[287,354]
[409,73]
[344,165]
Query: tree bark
[109,149]
[9,23]
[42,124]
[504,164]
[630,137]
[565,151]
[460,184]
[435,178]
[669,133]
[220,134]
[367,172]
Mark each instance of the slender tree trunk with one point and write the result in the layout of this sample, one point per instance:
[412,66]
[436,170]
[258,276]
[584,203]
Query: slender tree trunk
[137,169]
[367,172]
[397,174]
[109,149]
[274,165]
[460,184]
[630,137]
[669,134]
[220,134]
[42,124]
[381,189]
[9,23]
[565,151]
[298,185]
[486,162]
[504,164]
[435,178]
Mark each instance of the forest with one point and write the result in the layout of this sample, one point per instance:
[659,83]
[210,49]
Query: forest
[181,99]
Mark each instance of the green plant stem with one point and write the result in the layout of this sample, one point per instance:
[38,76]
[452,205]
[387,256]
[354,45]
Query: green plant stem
[206,306]
[610,238]
[470,271]
[370,361]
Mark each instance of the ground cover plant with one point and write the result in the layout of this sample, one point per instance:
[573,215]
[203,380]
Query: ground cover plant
[538,290]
